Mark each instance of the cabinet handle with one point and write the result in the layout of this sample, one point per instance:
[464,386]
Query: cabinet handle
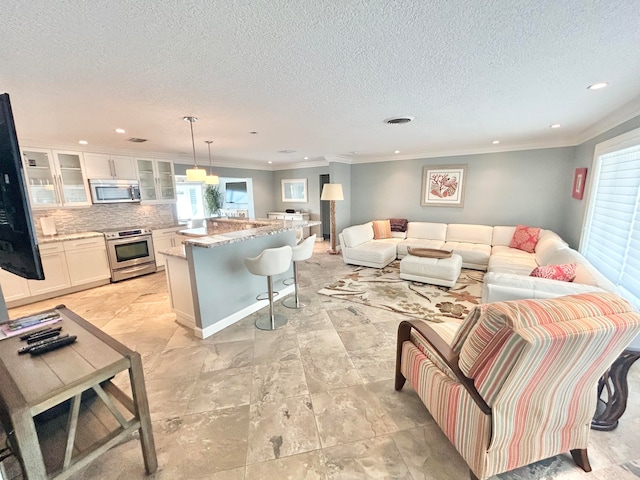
[62,199]
[112,167]
[56,190]
[87,242]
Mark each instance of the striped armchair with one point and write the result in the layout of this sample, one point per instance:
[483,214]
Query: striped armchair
[516,383]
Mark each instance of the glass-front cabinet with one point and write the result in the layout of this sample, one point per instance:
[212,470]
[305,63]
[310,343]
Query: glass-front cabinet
[157,183]
[55,178]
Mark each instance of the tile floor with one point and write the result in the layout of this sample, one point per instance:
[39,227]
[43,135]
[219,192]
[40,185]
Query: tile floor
[314,400]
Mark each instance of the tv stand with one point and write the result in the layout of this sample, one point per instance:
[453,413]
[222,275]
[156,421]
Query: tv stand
[32,385]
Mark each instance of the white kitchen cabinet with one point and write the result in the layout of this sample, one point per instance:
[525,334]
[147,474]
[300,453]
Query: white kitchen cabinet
[164,239]
[87,260]
[13,286]
[56,273]
[103,166]
[157,182]
[55,178]
[303,232]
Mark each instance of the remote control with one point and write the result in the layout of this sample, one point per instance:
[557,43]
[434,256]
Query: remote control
[34,332]
[41,336]
[53,345]
[27,348]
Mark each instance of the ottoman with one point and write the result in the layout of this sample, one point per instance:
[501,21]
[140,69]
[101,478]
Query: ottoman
[436,271]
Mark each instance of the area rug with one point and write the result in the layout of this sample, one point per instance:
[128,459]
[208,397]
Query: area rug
[383,288]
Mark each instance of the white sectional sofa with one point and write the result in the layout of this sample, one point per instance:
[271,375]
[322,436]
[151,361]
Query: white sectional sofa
[481,247]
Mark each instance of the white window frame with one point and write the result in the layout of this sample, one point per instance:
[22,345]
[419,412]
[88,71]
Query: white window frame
[621,142]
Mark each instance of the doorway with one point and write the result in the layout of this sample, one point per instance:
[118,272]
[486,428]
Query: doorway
[325,210]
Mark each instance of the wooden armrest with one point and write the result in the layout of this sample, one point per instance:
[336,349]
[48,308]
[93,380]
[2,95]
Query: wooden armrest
[444,351]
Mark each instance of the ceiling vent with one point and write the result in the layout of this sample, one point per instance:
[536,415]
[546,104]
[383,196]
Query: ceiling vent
[136,140]
[286,151]
[398,120]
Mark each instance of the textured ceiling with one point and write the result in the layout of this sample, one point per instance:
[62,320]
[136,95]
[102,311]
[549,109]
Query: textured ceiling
[317,77]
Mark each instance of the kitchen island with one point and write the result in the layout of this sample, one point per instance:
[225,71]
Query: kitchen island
[209,285]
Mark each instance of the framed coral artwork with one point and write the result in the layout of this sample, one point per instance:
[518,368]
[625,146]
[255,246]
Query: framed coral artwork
[578,183]
[443,185]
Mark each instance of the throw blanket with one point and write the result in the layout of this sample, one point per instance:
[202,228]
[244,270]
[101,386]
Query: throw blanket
[398,224]
[428,252]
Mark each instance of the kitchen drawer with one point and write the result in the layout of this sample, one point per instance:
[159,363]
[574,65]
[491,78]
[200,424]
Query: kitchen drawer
[83,244]
[51,247]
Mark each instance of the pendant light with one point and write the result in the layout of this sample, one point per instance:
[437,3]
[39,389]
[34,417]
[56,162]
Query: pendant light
[211,179]
[194,174]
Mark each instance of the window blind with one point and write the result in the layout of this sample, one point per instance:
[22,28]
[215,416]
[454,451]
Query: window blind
[612,237]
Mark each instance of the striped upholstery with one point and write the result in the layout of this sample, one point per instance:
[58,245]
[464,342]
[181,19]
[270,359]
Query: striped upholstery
[536,363]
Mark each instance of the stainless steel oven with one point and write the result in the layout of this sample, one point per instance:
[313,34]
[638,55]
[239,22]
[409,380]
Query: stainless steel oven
[130,253]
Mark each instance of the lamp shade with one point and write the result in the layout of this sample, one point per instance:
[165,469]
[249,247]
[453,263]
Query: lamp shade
[212,180]
[332,191]
[196,174]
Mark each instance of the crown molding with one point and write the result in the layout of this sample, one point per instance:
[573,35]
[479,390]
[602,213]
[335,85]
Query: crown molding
[619,116]
[468,151]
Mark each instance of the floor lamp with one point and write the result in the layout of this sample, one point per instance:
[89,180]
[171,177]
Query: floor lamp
[332,192]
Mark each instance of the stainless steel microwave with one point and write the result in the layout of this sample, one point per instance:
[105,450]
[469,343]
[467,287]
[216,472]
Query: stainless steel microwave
[114,191]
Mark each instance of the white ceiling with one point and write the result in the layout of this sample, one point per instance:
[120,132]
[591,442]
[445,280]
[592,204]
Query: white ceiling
[318,76]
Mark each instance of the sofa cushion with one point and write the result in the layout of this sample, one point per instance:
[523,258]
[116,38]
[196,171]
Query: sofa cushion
[381,229]
[427,230]
[525,238]
[547,250]
[504,251]
[565,272]
[357,235]
[519,265]
[374,251]
[474,255]
[398,224]
[457,232]
[502,235]
[401,235]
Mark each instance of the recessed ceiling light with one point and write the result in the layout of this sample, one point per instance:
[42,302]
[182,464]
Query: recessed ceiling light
[120,130]
[355,152]
[269,162]
[83,142]
[306,158]
[495,142]
[555,125]
[597,86]
[397,151]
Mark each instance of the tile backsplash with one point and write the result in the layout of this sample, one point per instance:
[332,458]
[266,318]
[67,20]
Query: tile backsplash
[106,217]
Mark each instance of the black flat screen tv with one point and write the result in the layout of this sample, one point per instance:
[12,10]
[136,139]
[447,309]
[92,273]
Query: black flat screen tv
[19,253]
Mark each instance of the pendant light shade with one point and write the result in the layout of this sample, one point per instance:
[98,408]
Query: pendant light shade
[211,179]
[194,174]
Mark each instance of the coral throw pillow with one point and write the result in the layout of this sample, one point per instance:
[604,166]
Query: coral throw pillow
[525,238]
[565,272]
[381,229]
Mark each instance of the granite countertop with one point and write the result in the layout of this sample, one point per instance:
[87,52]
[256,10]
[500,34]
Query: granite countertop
[69,236]
[201,237]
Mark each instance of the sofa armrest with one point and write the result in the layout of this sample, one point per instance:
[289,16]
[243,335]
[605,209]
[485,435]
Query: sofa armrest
[501,287]
[444,351]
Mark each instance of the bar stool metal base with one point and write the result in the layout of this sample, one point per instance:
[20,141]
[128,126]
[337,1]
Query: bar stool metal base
[264,323]
[290,302]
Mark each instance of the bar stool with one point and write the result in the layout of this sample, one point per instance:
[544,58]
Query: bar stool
[301,252]
[271,261]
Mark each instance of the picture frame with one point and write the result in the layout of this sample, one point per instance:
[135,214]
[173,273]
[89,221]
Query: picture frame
[579,181]
[443,185]
[294,190]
